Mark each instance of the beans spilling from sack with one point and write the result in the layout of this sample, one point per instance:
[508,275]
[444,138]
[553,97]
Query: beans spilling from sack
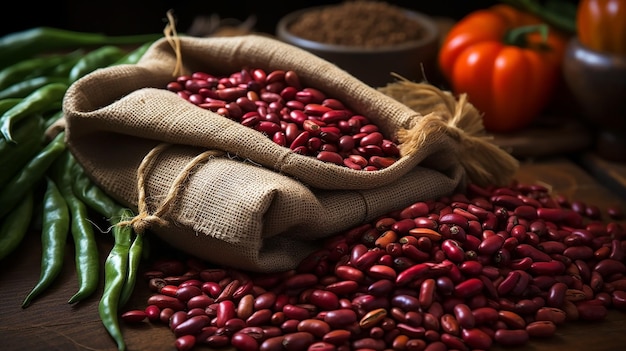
[493,266]
[304,119]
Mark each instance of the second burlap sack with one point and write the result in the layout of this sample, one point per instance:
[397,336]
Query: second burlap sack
[227,193]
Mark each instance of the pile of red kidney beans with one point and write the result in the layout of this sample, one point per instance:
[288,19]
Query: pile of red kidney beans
[492,266]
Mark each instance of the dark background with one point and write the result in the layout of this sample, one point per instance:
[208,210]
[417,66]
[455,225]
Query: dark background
[117,17]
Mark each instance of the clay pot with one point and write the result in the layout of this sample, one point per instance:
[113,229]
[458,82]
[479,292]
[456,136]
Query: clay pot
[414,60]
[598,81]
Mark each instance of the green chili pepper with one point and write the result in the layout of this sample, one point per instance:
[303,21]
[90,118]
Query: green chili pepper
[64,68]
[85,247]
[134,259]
[29,137]
[30,175]
[14,227]
[134,56]
[55,229]
[7,104]
[115,272]
[30,68]
[98,58]
[94,197]
[53,118]
[28,43]
[24,88]
[39,101]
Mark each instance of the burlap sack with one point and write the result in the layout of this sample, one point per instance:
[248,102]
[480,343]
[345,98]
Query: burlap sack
[227,193]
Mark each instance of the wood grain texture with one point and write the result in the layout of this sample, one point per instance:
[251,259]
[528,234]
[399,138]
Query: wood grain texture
[50,323]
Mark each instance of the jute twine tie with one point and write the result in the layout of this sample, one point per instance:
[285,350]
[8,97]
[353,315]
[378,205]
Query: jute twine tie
[442,113]
[172,38]
[144,218]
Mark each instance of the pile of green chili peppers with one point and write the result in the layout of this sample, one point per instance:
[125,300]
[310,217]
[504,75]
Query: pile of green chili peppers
[40,176]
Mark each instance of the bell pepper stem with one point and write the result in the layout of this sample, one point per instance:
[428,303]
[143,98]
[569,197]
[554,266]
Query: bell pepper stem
[517,36]
[560,14]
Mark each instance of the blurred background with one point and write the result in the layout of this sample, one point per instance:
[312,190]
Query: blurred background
[116,17]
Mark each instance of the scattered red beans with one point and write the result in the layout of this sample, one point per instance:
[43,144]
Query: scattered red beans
[461,272]
[303,119]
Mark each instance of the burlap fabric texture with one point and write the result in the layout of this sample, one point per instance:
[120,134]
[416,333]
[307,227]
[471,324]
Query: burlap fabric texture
[226,193]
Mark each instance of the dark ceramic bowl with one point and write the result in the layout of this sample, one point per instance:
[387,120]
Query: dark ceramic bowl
[415,60]
[597,81]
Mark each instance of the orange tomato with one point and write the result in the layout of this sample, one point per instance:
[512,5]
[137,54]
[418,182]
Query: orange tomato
[601,25]
[511,83]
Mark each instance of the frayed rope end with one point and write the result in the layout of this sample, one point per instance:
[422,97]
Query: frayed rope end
[442,113]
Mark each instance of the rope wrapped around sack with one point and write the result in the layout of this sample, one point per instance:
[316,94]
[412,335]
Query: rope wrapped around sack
[144,219]
[485,163]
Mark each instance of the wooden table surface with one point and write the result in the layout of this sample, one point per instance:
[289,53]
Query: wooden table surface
[50,323]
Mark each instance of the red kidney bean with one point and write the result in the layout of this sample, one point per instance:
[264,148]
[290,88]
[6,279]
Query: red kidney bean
[476,338]
[261,317]
[297,341]
[449,324]
[541,329]
[177,318]
[322,346]
[349,273]
[527,250]
[340,318]
[485,315]
[325,156]
[164,301]
[297,312]
[134,316]
[464,316]
[191,325]
[343,287]
[433,346]
[414,272]
[166,314]
[561,215]
[511,337]
[244,342]
[274,343]
[453,342]
[316,327]
[512,319]
[490,245]
[228,291]
[556,295]
[469,287]
[185,342]
[185,293]
[548,268]
[326,300]
[382,272]
[618,299]
[303,280]
[153,313]
[453,250]
[427,293]
[609,266]
[225,312]
[337,337]
[510,202]
[405,302]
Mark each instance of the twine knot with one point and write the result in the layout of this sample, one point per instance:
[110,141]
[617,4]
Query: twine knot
[144,219]
[439,112]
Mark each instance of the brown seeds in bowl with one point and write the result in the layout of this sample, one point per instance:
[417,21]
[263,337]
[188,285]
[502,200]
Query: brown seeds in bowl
[366,24]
